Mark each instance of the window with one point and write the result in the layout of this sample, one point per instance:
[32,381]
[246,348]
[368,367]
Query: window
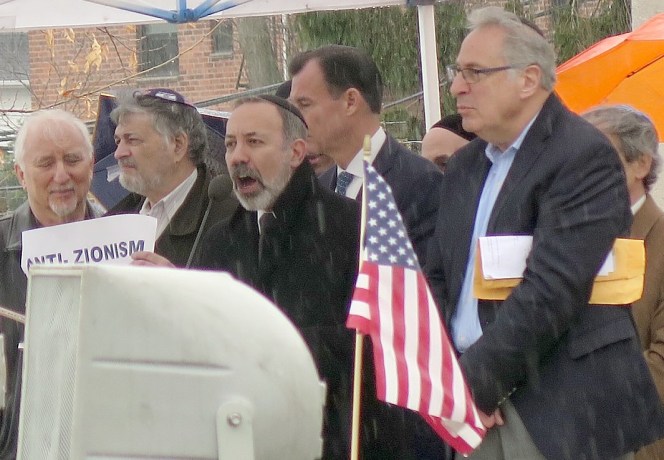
[158,44]
[222,37]
[14,58]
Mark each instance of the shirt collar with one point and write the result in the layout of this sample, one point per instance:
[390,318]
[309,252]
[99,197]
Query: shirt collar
[493,152]
[168,206]
[173,200]
[638,205]
[355,167]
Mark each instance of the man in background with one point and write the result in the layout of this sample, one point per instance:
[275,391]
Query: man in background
[53,162]
[552,375]
[340,90]
[293,240]
[634,136]
[319,161]
[445,137]
[161,150]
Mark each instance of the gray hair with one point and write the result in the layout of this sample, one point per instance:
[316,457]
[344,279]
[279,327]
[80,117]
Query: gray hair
[293,127]
[635,132]
[170,119]
[524,44]
[49,122]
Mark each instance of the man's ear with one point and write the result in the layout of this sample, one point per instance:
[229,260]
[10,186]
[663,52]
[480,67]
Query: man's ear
[353,100]
[19,174]
[641,166]
[298,152]
[531,80]
[181,142]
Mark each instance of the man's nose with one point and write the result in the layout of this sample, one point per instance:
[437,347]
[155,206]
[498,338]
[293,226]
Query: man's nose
[458,85]
[61,173]
[237,156]
[121,150]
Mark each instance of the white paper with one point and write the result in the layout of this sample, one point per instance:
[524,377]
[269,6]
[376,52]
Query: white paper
[609,265]
[107,240]
[504,257]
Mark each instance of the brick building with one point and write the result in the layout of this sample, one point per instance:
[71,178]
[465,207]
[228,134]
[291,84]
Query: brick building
[71,66]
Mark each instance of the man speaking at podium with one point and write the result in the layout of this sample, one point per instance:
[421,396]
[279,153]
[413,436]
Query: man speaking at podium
[293,240]
[53,162]
[161,148]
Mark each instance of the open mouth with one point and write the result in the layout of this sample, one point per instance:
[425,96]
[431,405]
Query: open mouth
[247,185]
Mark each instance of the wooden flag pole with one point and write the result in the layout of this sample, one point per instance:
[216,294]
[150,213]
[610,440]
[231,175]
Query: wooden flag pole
[359,342]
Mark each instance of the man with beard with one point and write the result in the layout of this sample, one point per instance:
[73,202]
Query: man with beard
[161,147]
[293,240]
[53,162]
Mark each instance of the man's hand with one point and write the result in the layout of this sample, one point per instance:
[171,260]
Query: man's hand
[490,420]
[150,259]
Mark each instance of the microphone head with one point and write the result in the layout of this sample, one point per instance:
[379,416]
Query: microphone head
[220,187]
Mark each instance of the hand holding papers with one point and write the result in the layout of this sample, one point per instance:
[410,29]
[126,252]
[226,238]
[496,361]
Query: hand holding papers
[502,260]
[109,240]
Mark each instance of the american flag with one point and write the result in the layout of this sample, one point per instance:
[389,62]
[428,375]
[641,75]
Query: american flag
[415,363]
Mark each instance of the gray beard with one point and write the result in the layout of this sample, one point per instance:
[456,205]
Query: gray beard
[138,184]
[265,199]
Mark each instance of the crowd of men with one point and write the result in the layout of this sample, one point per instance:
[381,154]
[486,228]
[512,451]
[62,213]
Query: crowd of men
[553,376]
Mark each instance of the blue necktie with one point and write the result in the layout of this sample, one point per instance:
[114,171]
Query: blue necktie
[343,181]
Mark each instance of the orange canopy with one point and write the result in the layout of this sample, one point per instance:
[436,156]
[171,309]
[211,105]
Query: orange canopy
[623,69]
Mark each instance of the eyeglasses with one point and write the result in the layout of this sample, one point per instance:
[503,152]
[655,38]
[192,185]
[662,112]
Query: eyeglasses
[471,75]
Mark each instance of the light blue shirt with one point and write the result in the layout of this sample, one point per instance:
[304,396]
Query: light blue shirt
[466,327]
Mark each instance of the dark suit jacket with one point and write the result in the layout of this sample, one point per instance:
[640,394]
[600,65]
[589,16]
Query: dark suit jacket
[648,312]
[177,240]
[309,270]
[574,372]
[415,184]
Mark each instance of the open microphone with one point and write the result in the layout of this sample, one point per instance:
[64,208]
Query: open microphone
[219,189]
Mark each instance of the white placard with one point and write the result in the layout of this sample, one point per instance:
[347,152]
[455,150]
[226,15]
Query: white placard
[107,240]
[504,257]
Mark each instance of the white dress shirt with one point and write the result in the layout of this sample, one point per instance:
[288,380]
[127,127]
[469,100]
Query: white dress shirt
[356,168]
[165,209]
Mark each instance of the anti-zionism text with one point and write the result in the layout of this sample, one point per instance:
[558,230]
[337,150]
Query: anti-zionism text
[92,254]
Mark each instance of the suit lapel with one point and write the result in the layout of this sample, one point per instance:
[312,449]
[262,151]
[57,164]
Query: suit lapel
[533,146]
[463,209]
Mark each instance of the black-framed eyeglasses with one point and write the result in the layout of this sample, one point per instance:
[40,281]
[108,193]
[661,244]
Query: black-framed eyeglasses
[471,75]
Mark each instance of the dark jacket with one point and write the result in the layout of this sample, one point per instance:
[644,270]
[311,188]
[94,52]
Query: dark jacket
[415,184]
[12,295]
[177,240]
[308,268]
[574,372]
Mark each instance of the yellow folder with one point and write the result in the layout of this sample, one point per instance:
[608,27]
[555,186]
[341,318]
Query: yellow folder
[622,286]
